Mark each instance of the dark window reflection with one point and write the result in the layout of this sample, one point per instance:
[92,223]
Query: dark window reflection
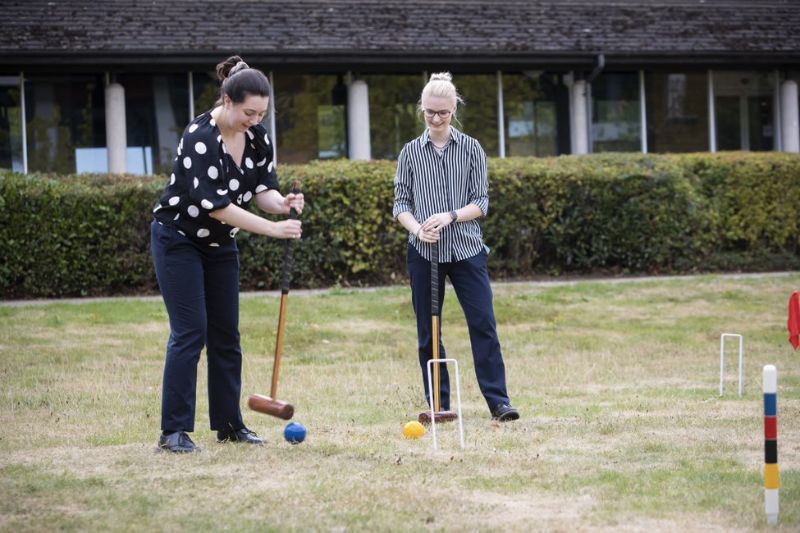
[677,112]
[616,124]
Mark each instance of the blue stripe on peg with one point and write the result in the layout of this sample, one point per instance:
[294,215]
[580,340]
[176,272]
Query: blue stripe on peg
[770,404]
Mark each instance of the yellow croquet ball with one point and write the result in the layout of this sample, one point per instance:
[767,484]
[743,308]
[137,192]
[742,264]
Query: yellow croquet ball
[413,430]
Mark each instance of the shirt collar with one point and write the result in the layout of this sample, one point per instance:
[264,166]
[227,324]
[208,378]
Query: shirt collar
[455,135]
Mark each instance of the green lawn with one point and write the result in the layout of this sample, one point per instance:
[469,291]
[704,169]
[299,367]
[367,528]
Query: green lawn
[617,381]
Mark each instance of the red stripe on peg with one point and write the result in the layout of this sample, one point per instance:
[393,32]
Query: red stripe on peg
[770,427]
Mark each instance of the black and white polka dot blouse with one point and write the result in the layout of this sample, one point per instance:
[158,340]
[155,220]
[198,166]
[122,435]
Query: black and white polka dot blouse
[206,178]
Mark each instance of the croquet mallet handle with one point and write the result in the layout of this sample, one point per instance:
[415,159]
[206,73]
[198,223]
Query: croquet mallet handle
[286,275]
[435,322]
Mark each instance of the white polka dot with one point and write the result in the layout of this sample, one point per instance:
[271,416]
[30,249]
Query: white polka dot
[157,208]
[192,128]
[233,232]
[203,232]
[261,188]
[179,231]
[248,162]
[239,199]
[200,148]
[177,216]
[206,204]
[174,200]
[247,196]
[214,244]
[253,146]
[196,183]
[222,192]
[266,139]
[193,211]
[213,122]
[269,167]
[213,172]
[241,171]
[172,179]
[224,149]
[250,134]
[234,184]
[262,162]
[187,162]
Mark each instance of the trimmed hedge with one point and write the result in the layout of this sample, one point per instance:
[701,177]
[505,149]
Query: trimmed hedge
[606,213]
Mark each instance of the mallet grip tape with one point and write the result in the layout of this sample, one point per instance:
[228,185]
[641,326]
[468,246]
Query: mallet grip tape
[286,271]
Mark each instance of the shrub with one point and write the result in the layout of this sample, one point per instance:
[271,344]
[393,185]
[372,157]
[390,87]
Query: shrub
[611,213]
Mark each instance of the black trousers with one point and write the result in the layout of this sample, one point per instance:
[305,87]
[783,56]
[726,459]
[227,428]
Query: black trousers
[200,286]
[470,279]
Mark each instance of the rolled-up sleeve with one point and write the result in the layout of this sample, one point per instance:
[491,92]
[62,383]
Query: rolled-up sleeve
[403,183]
[478,179]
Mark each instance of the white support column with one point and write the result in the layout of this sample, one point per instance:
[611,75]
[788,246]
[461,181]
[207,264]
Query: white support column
[744,123]
[273,134]
[167,138]
[790,126]
[501,120]
[190,80]
[712,118]
[24,122]
[580,130]
[358,121]
[116,136]
[642,112]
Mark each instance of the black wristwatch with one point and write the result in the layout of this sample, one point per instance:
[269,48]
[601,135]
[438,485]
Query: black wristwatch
[453,216]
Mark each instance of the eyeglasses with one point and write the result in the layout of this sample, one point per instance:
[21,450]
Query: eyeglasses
[443,114]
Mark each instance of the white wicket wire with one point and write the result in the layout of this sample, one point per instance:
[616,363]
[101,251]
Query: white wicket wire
[432,400]
[722,361]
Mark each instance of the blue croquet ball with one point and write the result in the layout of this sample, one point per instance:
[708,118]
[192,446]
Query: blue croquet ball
[295,432]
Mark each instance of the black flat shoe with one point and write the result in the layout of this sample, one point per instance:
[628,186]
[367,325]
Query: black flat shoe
[176,442]
[504,413]
[239,435]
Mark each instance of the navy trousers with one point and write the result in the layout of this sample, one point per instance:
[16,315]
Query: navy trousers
[470,279]
[200,286]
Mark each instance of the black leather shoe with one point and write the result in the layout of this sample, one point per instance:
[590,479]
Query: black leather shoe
[504,413]
[177,442]
[239,435]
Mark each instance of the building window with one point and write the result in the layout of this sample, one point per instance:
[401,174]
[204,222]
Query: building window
[156,113]
[677,112]
[478,116]
[10,125]
[310,117]
[616,124]
[744,110]
[393,115]
[530,109]
[65,121]
[205,88]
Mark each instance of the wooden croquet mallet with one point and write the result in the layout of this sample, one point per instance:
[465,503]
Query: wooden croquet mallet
[270,405]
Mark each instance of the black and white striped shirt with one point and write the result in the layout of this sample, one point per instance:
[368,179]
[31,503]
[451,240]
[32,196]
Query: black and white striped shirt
[428,183]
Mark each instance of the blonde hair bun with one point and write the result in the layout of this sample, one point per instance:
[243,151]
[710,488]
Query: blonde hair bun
[441,76]
[440,85]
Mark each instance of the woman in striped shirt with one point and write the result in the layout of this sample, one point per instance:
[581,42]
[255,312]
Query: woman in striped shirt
[441,190]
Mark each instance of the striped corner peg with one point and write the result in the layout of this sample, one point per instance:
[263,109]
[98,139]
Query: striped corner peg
[772,478]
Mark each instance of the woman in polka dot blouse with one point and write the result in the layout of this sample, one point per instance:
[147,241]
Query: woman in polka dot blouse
[224,162]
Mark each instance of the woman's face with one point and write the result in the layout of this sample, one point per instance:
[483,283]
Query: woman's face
[438,112]
[248,113]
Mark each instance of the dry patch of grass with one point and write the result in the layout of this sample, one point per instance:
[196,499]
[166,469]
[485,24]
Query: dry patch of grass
[622,426]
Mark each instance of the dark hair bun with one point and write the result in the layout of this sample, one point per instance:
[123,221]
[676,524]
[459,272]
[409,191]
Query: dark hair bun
[229,67]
